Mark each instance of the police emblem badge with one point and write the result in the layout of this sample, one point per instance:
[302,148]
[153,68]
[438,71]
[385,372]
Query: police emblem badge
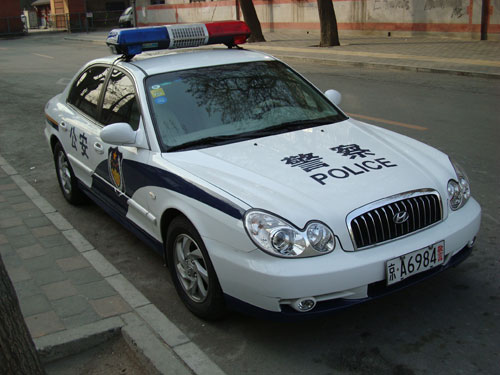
[115,158]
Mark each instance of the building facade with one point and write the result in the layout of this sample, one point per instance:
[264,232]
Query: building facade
[456,18]
[80,15]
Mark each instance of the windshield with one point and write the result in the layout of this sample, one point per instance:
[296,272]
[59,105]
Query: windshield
[221,104]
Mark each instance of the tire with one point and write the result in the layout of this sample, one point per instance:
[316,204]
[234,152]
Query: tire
[192,271]
[66,177]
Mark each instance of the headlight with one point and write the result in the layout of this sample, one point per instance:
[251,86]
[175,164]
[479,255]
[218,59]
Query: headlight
[277,237]
[459,189]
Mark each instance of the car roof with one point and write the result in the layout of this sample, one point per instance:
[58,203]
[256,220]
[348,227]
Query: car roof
[154,62]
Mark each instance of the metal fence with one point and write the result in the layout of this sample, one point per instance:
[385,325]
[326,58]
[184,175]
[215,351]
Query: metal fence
[12,26]
[105,19]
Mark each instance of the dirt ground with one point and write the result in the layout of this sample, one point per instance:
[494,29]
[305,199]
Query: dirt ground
[111,358]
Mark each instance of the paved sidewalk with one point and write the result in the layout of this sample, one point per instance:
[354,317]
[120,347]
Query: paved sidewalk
[71,297]
[441,55]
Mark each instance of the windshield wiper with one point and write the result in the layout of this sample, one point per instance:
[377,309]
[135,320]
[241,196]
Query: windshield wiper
[300,124]
[291,126]
[211,141]
[275,129]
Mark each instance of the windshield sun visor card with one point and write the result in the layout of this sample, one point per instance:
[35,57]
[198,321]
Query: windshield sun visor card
[158,94]
[161,100]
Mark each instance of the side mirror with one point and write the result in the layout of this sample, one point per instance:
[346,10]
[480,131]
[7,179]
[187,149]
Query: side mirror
[119,134]
[334,96]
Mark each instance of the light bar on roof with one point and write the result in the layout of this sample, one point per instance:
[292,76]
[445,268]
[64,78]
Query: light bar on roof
[130,42]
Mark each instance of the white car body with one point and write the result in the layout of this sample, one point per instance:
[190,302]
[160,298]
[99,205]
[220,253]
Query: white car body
[214,187]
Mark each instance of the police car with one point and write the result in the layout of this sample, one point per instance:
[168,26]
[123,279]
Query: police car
[259,191]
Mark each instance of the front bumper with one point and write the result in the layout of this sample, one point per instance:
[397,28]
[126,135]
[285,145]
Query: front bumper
[338,279]
[374,291]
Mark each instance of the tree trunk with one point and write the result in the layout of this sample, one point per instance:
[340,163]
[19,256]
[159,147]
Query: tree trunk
[485,19]
[328,24]
[17,351]
[250,16]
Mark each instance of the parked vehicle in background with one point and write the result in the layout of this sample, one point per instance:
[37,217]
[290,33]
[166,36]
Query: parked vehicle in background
[127,18]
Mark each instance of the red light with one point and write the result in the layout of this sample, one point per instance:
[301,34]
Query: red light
[240,39]
[227,32]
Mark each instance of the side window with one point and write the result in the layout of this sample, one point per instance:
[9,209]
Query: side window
[120,104]
[85,93]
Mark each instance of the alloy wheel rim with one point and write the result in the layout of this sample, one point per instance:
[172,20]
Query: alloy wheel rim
[64,173]
[191,268]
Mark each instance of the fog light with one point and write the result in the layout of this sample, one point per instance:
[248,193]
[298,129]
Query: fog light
[471,242]
[304,304]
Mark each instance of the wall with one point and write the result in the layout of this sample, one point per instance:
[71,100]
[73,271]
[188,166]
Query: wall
[10,17]
[76,6]
[185,12]
[58,6]
[457,18]
[10,8]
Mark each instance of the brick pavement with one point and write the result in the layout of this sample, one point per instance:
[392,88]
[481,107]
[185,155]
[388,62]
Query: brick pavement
[71,297]
[58,288]
[433,54]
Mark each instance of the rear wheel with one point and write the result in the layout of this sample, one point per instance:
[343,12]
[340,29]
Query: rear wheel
[66,178]
[192,271]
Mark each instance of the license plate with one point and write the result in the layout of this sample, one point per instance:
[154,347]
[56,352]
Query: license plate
[402,267]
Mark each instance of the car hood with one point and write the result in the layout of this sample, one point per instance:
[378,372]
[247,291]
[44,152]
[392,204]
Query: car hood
[321,173]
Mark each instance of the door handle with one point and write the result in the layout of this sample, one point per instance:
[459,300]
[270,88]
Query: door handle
[63,126]
[98,148]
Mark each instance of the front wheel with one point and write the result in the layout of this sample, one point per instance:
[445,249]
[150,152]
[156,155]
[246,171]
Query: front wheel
[66,178]
[192,271]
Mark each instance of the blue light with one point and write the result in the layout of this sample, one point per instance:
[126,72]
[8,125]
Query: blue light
[133,41]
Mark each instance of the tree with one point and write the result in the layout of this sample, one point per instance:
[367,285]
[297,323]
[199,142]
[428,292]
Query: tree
[252,21]
[328,24]
[17,351]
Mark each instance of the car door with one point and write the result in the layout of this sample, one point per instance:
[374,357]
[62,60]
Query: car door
[118,169]
[79,121]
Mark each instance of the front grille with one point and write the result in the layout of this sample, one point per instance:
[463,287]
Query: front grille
[375,223]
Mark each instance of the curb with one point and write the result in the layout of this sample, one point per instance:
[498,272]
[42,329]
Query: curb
[69,342]
[335,62]
[160,345]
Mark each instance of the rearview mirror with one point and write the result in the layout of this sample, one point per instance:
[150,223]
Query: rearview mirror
[119,134]
[334,96]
